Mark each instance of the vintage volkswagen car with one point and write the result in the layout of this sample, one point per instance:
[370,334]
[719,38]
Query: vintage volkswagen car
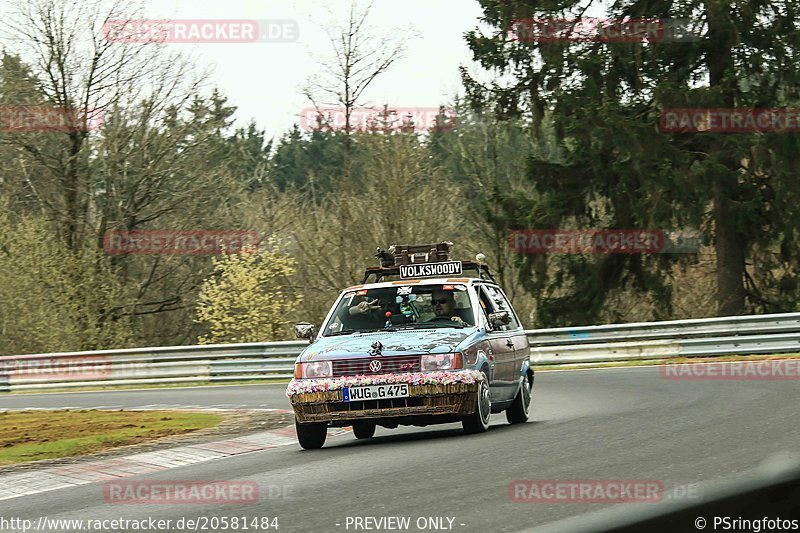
[425,342]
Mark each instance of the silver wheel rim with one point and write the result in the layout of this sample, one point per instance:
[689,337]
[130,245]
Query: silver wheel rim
[526,394]
[484,403]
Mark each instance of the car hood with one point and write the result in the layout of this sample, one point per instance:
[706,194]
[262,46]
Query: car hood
[412,341]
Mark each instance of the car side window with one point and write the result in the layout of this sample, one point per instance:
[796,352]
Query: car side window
[500,303]
[485,301]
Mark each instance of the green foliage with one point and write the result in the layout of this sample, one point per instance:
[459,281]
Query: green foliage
[52,300]
[246,300]
[566,137]
[616,169]
[307,161]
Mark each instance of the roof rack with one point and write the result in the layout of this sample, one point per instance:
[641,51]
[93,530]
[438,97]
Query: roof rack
[399,255]
[406,254]
[480,270]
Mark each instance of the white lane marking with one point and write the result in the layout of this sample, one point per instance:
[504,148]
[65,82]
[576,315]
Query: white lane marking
[83,473]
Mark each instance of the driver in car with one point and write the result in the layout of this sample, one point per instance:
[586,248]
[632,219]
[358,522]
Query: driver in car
[444,304]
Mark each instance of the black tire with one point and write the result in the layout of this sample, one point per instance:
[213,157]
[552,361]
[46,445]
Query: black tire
[519,411]
[364,429]
[311,436]
[478,422]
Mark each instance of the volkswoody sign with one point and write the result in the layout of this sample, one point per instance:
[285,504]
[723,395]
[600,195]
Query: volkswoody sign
[447,268]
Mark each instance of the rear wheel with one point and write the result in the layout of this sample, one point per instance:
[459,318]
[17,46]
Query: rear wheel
[519,411]
[311,436]
[478,422]
[363,429]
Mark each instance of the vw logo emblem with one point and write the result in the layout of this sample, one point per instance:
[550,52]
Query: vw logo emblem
[375,365]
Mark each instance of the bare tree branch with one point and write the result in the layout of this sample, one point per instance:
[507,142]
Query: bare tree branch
[358,58]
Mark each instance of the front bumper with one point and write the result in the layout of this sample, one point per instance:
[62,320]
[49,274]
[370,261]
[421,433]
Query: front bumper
[435,393]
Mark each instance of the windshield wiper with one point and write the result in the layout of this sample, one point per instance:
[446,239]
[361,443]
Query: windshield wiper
[398,327]
[343,332]
[427,325]
[350,331]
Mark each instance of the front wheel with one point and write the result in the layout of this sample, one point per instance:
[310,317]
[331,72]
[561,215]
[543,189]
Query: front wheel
[311,436]
[478,422]
[363,430]
[519,411]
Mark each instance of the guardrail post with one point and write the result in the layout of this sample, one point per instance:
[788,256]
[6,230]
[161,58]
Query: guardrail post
[4,386]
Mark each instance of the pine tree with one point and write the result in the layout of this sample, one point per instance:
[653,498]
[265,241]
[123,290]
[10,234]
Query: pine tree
[619,170]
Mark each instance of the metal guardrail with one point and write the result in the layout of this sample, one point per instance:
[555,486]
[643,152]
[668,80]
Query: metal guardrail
[778,333]
[672,329]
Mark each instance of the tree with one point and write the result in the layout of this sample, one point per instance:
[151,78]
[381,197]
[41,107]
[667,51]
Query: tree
[403,197]
[359,57]
[246,299]
[306,162]
[618,170]
[77,68]
[180,172]
[51,301]
[487,157]
[250,153]
[163,159]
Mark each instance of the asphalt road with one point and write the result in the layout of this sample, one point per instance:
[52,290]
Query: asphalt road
[223,397]
[601,424]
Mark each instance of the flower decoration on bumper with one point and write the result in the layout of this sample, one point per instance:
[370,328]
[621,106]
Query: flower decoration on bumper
[299,386]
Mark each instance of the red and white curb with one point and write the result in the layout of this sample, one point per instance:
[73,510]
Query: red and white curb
[59,477]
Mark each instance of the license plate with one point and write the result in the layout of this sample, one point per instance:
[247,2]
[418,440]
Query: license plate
[375,392]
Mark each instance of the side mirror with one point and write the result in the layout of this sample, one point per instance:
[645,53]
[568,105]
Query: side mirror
[499,319]
[304,330]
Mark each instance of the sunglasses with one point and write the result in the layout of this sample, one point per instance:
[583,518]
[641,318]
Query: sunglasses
[439,301]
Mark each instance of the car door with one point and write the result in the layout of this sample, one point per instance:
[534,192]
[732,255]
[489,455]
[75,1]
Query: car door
[522,350]
[502,355]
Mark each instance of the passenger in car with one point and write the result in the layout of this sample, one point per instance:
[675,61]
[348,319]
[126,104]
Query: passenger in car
[365,306]
[367,314]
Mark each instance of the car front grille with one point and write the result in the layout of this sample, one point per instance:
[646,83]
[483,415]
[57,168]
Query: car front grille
[391,403]
[389,365]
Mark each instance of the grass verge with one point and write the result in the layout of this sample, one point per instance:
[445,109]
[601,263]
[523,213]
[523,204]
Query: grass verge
[36,435]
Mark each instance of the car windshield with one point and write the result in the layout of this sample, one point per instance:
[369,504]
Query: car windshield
[401,306]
